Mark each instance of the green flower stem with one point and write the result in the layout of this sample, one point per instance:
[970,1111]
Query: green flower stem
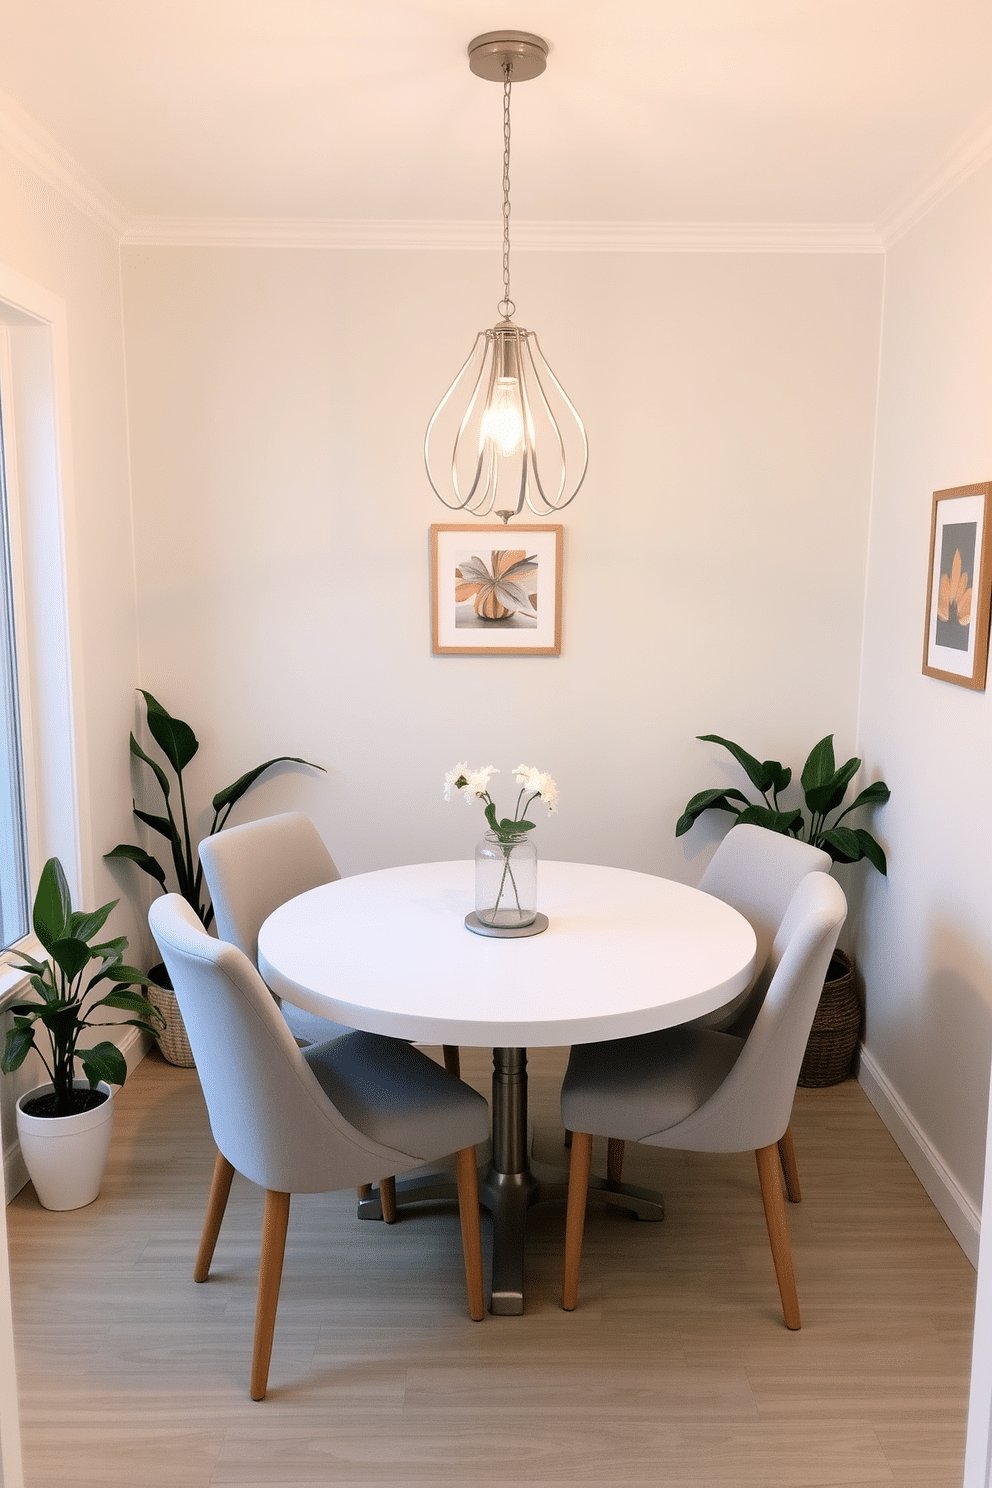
[507,850]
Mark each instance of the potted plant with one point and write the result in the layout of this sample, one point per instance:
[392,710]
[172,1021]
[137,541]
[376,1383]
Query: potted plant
[818,819]
[179,745]
[64,1126]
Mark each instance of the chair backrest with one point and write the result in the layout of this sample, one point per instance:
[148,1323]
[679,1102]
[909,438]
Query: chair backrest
[752,1106]
[250,870]
[757,872]
[268,1113]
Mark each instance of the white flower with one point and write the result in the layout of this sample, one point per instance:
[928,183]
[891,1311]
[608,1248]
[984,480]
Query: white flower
[472,782]
[455,779]
[537,782]
[549,792]
[477,781]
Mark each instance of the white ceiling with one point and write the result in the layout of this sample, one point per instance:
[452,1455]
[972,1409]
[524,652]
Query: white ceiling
[658,111]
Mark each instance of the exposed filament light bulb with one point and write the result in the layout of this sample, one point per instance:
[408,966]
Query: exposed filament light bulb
[502,422]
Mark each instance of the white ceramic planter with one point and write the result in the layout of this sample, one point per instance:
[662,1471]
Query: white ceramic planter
[65,1155]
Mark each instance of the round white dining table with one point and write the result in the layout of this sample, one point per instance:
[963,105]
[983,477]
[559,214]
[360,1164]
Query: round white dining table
[624,953]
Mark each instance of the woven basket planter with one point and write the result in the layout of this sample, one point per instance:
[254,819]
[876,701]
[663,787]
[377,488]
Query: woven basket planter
[173,1041]
[836,1027]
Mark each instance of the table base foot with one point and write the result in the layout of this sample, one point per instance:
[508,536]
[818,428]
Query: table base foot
[646,1203]
[507,1197]
[417,1190]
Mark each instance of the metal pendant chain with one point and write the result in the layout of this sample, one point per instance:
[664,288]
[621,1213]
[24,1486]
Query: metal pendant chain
[506,306]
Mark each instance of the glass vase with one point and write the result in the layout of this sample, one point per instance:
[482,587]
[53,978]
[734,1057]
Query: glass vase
[506,881]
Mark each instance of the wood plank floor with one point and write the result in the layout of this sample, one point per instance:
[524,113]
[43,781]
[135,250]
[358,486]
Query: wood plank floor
[674,1370]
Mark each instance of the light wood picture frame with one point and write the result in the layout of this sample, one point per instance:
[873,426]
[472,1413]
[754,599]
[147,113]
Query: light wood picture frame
[496,590]
[959,586]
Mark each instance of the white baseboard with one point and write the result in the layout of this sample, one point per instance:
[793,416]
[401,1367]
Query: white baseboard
[955,1208]
[134,1045]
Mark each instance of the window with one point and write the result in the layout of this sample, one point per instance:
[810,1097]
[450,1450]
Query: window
[39,687]
[13,831]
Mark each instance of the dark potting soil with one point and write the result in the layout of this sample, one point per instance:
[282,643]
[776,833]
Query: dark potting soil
[82,1100]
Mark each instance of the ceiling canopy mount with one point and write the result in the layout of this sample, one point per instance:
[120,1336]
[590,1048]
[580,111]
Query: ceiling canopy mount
[527,54]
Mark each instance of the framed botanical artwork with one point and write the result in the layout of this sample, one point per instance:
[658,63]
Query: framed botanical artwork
[956,643]
[495,590]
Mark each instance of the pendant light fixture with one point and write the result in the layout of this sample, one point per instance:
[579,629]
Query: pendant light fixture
[506,434]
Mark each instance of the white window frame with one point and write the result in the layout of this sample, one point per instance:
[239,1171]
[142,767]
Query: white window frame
[34,373]
[33,382]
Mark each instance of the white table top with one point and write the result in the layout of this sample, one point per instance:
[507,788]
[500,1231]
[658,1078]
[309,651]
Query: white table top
[625,953]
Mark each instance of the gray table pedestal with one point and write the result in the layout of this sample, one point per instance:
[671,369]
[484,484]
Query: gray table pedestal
[510,1184]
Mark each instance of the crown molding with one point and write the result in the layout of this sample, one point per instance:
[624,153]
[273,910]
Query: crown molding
[558,237]
[27,142]
[967,156]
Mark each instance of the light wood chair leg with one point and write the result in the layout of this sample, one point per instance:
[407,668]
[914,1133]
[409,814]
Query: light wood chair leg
[387,1198]
[468,1212]
[770,1177]
[220,1188]
[274,1228]
[614,1159]
[364,1190]
[790,1167]
[575,1215]
[452,1060]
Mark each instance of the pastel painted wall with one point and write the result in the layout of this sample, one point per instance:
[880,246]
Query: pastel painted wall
[714,560]
[926,944]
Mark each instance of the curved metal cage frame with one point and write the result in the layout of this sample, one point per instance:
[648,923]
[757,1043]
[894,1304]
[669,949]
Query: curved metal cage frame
[506,377]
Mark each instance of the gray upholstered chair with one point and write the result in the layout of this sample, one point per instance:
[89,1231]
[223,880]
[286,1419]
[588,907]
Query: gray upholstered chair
[250,870]
[306,1121]
[757,872]
[700,1090]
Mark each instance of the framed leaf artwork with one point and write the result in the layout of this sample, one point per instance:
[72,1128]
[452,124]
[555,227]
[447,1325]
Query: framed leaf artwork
[956,642]
[496,590]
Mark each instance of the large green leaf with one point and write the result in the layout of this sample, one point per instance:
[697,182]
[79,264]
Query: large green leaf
[760,773]
[828,796]
[83,925]
[111,950]
[164,825]
[183,868]
[875,794]
[25,1012]
[819,765]
[176,739]
[28,963]
[871,850]
[52,905]
[233,793]
[19,1040]
[71,955]
[841,843]
[709,800]
[131,1002]
[42,984]
[779,776]
[144,860]
[130,976]
[103,1062]
[61,1019]
[788,823]
[156,769]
